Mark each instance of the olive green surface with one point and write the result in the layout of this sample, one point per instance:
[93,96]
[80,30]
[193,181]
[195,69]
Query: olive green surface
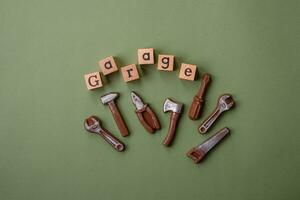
[251,48]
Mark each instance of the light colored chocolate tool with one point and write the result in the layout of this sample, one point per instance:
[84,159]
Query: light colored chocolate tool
[225,102]
[198,100]
[175,108]
[92,125]
[109,99]
[199,152]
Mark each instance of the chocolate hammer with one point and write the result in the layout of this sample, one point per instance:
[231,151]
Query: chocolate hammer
[109,99]
[176,109]
[198,100]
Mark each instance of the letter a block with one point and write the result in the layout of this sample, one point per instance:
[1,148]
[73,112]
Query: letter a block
[187,71]
[130,73]
[108,65]
[146,56]
[93,80]
[165,62]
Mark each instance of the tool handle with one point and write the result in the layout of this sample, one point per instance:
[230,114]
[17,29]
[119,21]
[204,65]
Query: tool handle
[172,128]
[146,125]
[198,100]
[206,78]
[118,118]
[209,121]
[152,118]
[195,108]
[196,154]
[112,140]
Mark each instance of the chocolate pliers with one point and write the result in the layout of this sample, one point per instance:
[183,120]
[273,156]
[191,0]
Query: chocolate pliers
[145,114]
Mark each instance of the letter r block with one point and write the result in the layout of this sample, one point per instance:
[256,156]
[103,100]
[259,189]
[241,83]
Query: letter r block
[187,71]
[93,80]
[146,56]
[108,65]
[165,62]
[130,73]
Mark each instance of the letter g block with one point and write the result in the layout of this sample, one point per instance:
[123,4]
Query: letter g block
[93,80]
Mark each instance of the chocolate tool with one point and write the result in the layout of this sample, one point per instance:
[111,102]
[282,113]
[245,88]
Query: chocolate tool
[176,109]
[198,100]
[109,99]
[92,125]
[199,152]
[145,114]
[225,102]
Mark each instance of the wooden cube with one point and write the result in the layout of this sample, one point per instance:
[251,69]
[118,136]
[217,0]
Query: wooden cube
[187,71]
[93,80]
[108,65]
[165,62]
[146,56]
[130,73]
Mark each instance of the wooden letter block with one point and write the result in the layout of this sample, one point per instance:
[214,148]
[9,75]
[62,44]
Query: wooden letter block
[146,56]
[108,65]
[187,71]
[93,80]
[130,73]
[165,62]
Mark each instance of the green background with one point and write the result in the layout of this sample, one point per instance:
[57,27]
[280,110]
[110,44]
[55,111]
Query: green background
[250,47]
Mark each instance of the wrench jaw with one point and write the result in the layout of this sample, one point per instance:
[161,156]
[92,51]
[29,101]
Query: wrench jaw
[226,102]
[92,124]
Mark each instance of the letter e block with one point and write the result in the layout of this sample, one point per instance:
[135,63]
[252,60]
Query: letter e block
[93,80]
[146,56]
[165,62]
[187,71]
[108,65]
[130,73]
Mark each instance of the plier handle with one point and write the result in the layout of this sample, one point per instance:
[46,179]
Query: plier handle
[148,119]
[145,114]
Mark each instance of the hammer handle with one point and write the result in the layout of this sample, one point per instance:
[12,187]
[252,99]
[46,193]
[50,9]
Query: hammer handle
[118,119]
[172,129]
[198,100]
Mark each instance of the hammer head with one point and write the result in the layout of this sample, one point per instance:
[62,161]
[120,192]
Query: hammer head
[173,106]
[109,97]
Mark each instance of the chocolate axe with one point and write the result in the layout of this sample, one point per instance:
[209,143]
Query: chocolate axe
[109,99]
[176,109]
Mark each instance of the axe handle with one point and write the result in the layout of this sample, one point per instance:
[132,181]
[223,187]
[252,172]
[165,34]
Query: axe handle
[118,119]
[172,128]
[198,100]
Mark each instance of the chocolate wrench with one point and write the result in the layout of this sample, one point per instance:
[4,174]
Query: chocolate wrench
[225,102]
[92,125]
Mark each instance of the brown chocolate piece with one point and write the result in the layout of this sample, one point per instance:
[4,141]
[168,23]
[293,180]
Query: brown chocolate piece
[92,125]
[199,152]
[198,100]
[176,109]
[109,99]
[145,114]
[148,119]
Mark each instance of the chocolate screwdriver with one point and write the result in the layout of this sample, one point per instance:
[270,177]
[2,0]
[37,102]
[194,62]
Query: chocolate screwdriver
[198,100]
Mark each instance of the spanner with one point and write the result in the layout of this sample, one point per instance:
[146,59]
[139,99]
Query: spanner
[225,102]
[92,125]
